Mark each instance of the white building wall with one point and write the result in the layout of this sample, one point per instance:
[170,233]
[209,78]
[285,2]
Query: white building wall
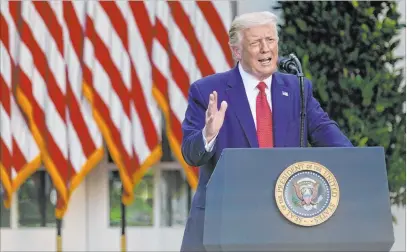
[86,226]
[44,239]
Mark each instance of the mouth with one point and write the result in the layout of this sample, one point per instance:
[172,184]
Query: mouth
[265,61]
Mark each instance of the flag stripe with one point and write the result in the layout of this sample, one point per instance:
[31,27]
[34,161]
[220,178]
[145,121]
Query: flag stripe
[147,125]
[119,24]
[105,123]
[31,108]
[111,136]
[41,64]
[74,28]
[28,102]
[117,96]
[213,19]
[184,24]
[85,142]
[5,150]
[207,39]
[18,157]
[142,20]
[75,113]
[50,20]
[4,33]
[139,55]
[176,125]
[104,56]
[4,89]
[48,49]
[79,124]
[117,21]
[142,84]
[21,158]
[179,76]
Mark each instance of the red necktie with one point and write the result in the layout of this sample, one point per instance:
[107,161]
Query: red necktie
[264,119]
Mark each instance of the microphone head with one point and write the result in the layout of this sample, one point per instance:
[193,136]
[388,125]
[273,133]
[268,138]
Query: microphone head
[287,65]
[282,61]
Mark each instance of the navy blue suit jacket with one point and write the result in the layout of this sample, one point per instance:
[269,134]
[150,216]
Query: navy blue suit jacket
[238,130]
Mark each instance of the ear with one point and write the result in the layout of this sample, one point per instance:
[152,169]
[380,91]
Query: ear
[237,53]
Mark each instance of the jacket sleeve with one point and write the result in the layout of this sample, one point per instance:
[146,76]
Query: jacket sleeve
[322,131]
[193,146]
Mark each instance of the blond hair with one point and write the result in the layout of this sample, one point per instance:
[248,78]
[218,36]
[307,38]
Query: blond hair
[248,20]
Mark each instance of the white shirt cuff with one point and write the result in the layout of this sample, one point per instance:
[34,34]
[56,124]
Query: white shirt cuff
[208,146]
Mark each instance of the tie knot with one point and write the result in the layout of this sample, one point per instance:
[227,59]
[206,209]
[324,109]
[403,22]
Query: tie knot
[262,86]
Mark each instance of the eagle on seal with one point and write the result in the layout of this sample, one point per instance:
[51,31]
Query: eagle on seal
[307,192]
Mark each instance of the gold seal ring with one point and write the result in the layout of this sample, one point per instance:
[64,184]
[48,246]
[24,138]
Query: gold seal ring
[307,193]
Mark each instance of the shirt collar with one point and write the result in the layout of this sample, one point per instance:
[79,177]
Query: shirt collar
[250,82]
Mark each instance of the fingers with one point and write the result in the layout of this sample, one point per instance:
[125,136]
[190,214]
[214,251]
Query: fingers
[213,103]
[223,107]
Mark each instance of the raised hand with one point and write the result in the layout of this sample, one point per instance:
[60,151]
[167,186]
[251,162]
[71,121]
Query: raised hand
[213,117]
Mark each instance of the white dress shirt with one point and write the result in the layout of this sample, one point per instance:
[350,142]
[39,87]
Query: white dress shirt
[250,85]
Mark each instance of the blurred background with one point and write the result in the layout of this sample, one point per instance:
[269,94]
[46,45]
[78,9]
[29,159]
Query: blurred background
[93,94]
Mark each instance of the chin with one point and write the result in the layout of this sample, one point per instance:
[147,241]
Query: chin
[266,72]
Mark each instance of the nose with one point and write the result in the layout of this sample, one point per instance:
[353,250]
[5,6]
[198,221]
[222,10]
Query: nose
[265,48]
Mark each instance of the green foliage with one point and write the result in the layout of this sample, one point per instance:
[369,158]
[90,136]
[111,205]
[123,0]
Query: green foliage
[140,211]
[347,51]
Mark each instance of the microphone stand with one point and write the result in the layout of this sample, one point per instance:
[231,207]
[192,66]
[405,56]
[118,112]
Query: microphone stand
[300,76]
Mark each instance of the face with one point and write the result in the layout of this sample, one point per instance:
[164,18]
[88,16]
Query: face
[258,51]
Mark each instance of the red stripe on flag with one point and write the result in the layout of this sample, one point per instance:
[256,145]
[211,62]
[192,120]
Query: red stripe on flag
[5,155]
[4,32]
[75,30]
[41,63]
[103,55]
[184,23]
[143,23]
[214,21]
[50,20]
[112,137]
[142,110]
[179,75]
[19,160]
[176,127]
[117,20]
[79,124]
[5,95]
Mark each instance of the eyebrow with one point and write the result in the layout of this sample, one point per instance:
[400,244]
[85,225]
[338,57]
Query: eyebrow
[256,38]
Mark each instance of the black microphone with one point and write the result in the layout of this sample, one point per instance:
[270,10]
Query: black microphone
[287,65]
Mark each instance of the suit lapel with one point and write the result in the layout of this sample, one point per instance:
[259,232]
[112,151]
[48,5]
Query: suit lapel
[240,104]
[281,108]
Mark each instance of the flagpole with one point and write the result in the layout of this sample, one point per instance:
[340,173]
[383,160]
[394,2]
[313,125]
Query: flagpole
[59,236]
[123,224]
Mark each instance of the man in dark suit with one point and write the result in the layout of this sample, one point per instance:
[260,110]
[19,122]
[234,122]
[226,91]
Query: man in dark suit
[250,106]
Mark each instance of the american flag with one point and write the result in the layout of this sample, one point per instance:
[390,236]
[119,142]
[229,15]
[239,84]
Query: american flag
[190,42]
[122,104]
[49,85]
[19,153]
[88,72]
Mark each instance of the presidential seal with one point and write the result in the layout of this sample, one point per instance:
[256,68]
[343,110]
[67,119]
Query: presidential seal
[307,193]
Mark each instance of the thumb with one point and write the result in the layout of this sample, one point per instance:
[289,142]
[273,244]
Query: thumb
[223,107]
